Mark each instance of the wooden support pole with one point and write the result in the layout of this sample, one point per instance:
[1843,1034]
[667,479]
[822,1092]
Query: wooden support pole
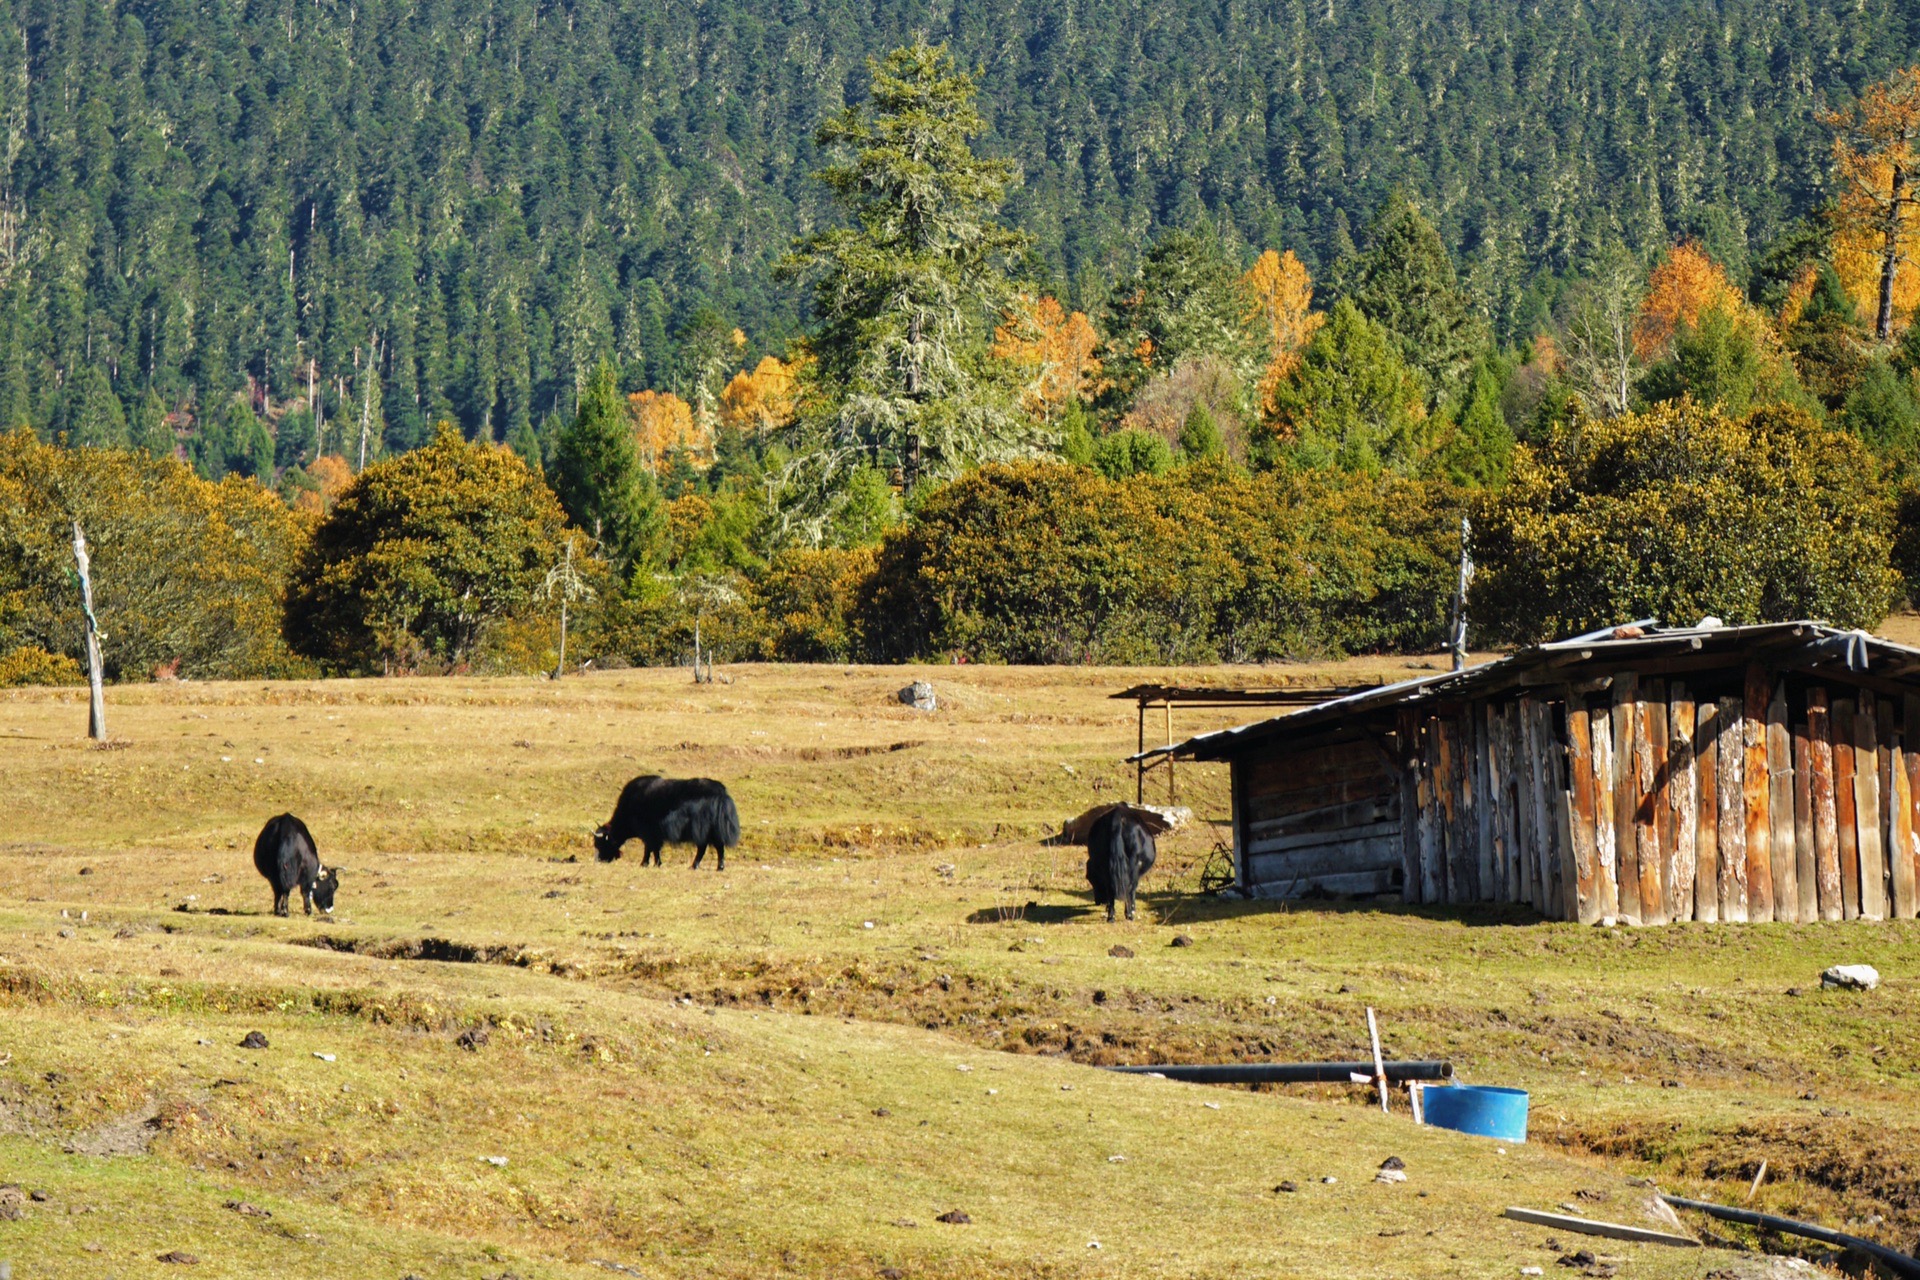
[1499,790]
[1846,807]
[1782,864]
[1826,843]
[96,681]
[1867,814]
[1379,1066]
[1170,794]
[1430,843]
[1626,716]
[1706,866]
[1483,802]
[1733,812]
[1758,788]
[1911,757]
[1679,866]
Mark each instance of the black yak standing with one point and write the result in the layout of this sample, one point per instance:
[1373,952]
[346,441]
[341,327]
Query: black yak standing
[1119,851]
[285,854]
[660,811]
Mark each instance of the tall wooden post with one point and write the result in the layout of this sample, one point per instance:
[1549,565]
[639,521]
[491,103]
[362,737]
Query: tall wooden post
[1460,595]
[97,704]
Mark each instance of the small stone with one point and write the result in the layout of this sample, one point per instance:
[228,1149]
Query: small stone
[882,1112]
[1093,1244]
[1344,990]
[1329,1180]
[68,933]
[246,1210]
[920,696]
[1288,1187]
[178,1257]
[1393,1162]
[473,1038]
[86,871]
[254,1040]
[326,1057]
[38,1197]
[957,1217]
[1579,1258]
[498,1162]
[1119,952]
[1116,1159]
[1532,1271]
[891,1273]
[1390,1176]
[1099,997]
[1181,940]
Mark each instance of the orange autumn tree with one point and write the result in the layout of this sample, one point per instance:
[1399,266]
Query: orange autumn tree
[1053,350]
[331,474]
[1874,158]
[1282,294]
[1680,289]
[663,422]
[760,400]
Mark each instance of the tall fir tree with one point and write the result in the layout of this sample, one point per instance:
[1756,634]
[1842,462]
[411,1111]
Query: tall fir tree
[598,476]
[1404,280]
[905,297]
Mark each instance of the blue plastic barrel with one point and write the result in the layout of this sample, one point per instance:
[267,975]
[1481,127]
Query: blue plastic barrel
[1486,1110]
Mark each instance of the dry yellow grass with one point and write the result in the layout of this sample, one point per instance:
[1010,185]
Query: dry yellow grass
[684,1072]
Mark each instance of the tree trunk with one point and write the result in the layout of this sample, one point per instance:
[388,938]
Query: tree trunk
[97,703]
[560,668]
[696,648]
[1890,258]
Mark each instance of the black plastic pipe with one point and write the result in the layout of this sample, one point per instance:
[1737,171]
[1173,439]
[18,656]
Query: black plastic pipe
[1293,1072]
[1899,1263]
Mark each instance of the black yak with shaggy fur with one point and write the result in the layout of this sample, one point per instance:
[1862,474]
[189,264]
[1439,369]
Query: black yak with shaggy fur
[660,811]
[1119,851]
[285,854]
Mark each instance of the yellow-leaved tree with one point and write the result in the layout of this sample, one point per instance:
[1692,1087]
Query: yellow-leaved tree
[663,422]
[1874,157]
[1680,290]
[759,400]
[1053,350]
[1282,294]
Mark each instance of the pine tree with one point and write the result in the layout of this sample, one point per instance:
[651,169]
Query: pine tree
[598,475]
[904,298]
[1352,404]
[1405,282]
[1186,300]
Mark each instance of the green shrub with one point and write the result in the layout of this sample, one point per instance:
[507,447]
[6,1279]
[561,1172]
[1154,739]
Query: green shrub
[1682,512]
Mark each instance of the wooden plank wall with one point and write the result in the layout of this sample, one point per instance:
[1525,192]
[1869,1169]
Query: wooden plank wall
[1328,816]
[1651,802]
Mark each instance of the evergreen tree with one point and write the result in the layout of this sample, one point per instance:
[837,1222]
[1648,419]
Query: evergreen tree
[96,416]
[1200,436]
[1724,361]
[151,430]
[904,298]
[1881,410]
[1352,404]
[1405,282]
[598,476]
[1187,299]
[1131,453]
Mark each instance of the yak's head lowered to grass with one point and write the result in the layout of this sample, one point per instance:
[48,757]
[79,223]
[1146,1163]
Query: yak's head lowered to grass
[605,847]
[324,886]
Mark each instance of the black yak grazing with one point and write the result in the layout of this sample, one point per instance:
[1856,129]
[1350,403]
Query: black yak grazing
[660,811]
[286,856]
[1119,851]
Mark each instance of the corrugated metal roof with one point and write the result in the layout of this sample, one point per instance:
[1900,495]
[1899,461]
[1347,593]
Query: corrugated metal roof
[1809,645]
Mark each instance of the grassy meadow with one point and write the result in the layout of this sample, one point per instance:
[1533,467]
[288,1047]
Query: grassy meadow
[501,1058]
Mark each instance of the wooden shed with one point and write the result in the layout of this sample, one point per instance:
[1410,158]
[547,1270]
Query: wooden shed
[1644,775]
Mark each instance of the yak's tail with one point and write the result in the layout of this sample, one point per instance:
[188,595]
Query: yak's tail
[1120,865]
[727,821]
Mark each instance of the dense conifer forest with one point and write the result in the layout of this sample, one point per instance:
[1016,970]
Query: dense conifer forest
[404,212]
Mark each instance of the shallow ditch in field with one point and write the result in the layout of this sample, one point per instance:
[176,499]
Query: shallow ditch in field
[442,949]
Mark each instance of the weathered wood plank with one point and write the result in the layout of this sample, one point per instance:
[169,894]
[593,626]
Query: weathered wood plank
[1806,878]
[1732,750]
[1757,782]
[1314,839]
[1606,853]
[1911,757]
[1899,803]
[1406,728]
[1310,766]
[1328,860]
[1867,815]
[1626,716]
[1446,777]
[1826,842]
[1500,782]
[1784,868]
[1581,816]
[1547,775]
[1332,817]
[1540,809]
[1466,822]
[1653,820]
[1706,772]
[1483,802]
[1429,814]
[1679,865]
[1846,818]
[1365,884]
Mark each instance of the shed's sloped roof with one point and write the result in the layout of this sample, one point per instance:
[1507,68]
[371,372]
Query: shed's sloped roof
[1808,646]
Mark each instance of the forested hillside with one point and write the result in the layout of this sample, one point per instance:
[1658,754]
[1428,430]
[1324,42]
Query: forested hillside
[429,209]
